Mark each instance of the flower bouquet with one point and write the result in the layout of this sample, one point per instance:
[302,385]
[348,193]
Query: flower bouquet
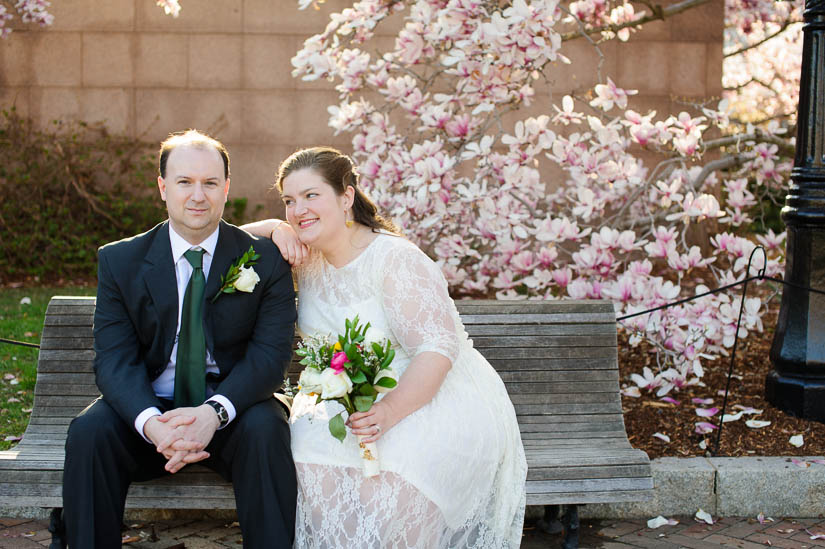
[351,370]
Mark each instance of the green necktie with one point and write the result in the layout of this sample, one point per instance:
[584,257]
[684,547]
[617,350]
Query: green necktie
[190,365]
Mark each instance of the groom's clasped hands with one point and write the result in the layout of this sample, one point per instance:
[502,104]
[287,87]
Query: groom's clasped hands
[182,434]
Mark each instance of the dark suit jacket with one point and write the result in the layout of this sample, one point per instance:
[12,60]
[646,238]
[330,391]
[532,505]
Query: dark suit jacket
[248,334]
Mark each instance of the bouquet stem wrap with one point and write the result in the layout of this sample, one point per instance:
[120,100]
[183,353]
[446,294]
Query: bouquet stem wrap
[369,456]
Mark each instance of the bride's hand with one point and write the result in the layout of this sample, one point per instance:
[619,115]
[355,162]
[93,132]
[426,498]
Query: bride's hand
[373,423]
[293,250]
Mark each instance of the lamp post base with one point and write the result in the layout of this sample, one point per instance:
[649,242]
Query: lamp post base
[799,397]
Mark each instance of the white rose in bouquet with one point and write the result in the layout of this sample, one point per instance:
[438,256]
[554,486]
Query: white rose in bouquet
[310,381]
[334,385]
[247,280]
[382,374]
[374,335]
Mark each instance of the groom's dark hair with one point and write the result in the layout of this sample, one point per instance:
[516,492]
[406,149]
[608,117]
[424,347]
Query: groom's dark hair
[194,138]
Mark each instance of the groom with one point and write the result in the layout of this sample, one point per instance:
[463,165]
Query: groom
[187,371]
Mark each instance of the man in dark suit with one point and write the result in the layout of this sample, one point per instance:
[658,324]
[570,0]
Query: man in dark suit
[186,371]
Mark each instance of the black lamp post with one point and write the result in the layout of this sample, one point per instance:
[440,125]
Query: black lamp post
[797,383]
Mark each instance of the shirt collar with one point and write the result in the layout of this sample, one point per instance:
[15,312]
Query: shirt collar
[180,246]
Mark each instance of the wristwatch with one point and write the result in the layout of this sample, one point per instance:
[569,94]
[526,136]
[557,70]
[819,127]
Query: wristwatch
[223,414]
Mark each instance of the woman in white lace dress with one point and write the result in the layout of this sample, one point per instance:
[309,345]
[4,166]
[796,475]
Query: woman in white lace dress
[452,463]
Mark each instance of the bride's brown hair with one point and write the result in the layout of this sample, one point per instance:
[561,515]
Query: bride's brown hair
[338,171]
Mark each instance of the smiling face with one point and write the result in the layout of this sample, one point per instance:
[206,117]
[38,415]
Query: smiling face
[317,214]
[195,190]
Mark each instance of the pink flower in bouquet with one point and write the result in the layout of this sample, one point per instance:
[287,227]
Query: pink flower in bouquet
[338,361]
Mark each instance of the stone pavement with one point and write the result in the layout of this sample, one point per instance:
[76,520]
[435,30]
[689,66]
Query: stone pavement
[744,533]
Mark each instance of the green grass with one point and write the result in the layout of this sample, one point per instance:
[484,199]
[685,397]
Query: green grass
[22,322]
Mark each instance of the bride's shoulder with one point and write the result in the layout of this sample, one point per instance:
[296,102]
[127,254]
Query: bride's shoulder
[397,245]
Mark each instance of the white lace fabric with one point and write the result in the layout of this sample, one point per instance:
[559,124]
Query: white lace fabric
[453,472]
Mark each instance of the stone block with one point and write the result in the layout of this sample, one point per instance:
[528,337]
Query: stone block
[747,486]
[644,66]
[266,61]
[688,72]
[56,58]
[160,112]
[704,23]
[713,67]
[16,59]
[284,17]
[107,59]
[290,118]
[15,97]
[111,106]
[215,61]
[253,174]
[680,487]
[47,105]
[195,16]
[161,60]
[93,15]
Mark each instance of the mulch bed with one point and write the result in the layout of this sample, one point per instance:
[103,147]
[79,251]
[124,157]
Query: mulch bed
[647,415]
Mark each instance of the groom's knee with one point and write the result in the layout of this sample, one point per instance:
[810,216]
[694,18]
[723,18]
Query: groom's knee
[264,425]
[96,428]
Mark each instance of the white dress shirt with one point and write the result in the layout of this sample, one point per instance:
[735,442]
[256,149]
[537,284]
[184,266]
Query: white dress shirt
[164,385]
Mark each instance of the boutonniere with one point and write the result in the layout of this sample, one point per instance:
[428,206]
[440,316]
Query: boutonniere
[241,276]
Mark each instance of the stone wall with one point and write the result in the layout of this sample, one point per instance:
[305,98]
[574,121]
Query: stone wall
[224,66]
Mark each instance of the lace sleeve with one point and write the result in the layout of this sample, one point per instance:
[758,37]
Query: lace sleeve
[419,309]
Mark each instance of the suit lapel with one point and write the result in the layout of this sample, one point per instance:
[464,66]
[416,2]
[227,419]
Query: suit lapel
[226,252]
[161,283]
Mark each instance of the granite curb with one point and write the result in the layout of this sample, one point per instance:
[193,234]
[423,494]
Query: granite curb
[727,487]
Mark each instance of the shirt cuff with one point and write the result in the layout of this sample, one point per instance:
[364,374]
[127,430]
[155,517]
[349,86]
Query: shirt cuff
[142,418]
[220,399]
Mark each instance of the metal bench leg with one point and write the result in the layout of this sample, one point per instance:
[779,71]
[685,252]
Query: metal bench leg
[58,529]
[570,520]
[550,522]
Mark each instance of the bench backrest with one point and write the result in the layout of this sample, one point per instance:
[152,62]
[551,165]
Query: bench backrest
[557,358]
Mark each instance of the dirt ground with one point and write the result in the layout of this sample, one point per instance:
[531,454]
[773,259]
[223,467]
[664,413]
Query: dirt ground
[647,415]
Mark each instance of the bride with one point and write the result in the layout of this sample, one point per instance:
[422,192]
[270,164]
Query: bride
[452,463]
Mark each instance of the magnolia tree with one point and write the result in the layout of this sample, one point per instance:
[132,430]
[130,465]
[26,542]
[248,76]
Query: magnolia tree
[651,207]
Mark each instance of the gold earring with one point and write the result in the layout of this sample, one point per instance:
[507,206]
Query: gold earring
[348,222]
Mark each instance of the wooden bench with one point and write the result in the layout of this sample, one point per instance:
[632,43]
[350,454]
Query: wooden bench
[557,358]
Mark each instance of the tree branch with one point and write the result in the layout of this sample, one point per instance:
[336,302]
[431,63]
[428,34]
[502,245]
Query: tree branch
[659,14]
[782,29]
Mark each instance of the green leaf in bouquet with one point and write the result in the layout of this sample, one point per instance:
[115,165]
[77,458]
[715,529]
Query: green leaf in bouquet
[358,377]
[387,359]
[364,403]
[304,361]
[386,382]
[337,427]
[378,350]
[351,350]
[367,390]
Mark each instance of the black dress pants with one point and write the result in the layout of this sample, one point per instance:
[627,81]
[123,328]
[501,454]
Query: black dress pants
[104,454]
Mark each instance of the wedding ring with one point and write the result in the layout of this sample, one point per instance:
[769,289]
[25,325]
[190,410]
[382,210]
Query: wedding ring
[377,428]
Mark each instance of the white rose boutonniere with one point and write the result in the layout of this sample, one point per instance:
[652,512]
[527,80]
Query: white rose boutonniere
[241,276]
[247,280]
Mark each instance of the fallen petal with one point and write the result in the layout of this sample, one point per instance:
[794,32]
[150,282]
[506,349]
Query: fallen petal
[8,377]
[814,536]
[747,409]
[702,401]
[819,461]
[732,417]
[702,516]
[633,392]
[662,436]
[799,463]
[661,521]
[703,427]
[26,301]
[12,438]
[756,424]
[704,444]
[671,400]
[796,440]
[707,412]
